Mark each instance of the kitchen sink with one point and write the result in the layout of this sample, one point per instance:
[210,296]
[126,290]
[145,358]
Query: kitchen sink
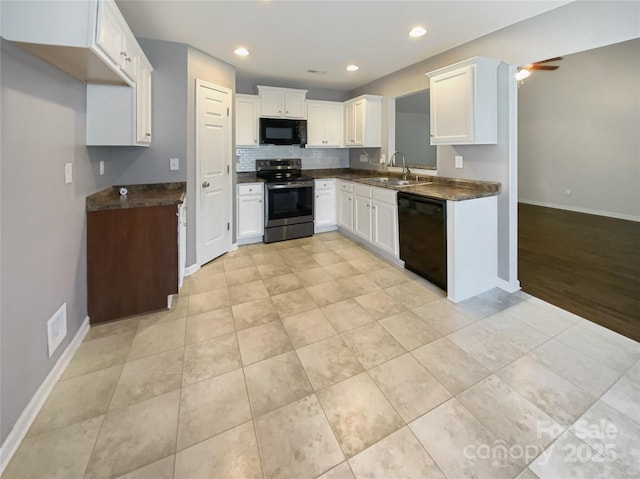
[382,180]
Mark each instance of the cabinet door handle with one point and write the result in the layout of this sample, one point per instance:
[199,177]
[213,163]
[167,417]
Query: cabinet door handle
[317,196]
[206,184]
[128,59]
[259,201]
[147,134]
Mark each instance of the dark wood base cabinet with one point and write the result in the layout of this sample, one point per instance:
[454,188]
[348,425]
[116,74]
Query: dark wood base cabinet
[132,261]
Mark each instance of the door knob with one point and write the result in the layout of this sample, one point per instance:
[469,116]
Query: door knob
[205,184]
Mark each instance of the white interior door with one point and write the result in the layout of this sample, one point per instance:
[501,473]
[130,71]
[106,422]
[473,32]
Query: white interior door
[213,170]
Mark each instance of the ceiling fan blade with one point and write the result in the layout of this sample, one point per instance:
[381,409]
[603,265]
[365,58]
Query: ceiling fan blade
[554,59]
[542,67]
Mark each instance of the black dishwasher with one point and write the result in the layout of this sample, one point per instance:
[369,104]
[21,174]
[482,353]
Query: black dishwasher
[423,236]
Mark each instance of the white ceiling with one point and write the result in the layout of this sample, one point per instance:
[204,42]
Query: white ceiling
[287,38]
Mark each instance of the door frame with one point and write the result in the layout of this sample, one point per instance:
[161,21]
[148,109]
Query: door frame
[198,178]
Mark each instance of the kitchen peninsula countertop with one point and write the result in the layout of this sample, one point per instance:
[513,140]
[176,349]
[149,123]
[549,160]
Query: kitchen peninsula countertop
[439,187]
[156,194]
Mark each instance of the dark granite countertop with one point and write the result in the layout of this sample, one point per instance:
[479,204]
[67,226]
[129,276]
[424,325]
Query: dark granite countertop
[248,177]
[439,187]
[156,194]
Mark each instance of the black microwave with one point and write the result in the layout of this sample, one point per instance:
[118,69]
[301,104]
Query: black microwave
[278,131]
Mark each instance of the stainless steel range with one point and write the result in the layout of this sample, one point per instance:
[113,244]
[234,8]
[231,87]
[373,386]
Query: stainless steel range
[288,199]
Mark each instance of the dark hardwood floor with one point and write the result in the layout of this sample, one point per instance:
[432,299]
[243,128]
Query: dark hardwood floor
[586,264]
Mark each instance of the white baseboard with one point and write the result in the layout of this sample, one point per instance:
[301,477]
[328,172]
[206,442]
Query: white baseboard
[581,210]
[189,270]
[325,229]
[509,286]
[22,425]
[249,240]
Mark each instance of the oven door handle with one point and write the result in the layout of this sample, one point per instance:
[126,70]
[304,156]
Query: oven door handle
[281,186]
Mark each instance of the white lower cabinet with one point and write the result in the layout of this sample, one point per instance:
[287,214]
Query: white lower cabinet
[371,214]
[325,206]
[362,212]
[384,221]
[345,205]
[250,213]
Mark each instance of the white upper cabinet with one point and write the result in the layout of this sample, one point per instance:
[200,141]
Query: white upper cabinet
[282,103]
[143,103]
[464,103]
[91,41]
[324,124]
[363,121]
[247,113]
[88,39]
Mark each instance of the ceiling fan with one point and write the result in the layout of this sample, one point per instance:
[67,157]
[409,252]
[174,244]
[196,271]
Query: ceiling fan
[525,71]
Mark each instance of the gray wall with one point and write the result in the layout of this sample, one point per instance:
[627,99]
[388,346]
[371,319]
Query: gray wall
[202,67]
[134,164]
[578,131]
[43,249]
[574,27]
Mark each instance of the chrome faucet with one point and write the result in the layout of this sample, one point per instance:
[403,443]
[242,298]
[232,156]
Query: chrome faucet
[405,171]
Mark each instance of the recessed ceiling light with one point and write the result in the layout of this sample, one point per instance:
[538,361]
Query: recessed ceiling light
[241,52]
[353,68]
[417,32]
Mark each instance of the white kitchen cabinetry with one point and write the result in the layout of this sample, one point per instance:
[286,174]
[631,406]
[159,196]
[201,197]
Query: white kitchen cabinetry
[92,42]
[345,205]
[325,122]
[88,39]
[121,115]
[363,121]
[325,205]
[362,212]
[384,221]
[282,102]
[247,113]
[472,247]
[143,103]
[370,214]
[464,103]
[250,213]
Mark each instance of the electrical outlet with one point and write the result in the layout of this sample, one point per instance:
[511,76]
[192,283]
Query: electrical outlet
[68,173]
[363,158]
[458,160]
[57,329]
[383,158]
[101,168]
[174,164]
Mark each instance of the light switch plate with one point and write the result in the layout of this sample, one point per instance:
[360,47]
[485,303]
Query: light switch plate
[458,160]
[101,167]
[174,164]
[68,173]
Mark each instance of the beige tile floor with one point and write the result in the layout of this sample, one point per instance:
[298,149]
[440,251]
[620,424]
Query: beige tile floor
[314,358]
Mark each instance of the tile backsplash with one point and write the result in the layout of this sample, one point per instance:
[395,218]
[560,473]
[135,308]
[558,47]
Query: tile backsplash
[312,158]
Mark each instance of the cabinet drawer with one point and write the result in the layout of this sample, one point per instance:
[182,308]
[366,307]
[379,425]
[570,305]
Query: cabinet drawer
[362,190]
[384,194]
[250,189]
[325,184]
[346,186]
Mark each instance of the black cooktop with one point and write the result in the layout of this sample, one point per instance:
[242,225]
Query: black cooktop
[278,170]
